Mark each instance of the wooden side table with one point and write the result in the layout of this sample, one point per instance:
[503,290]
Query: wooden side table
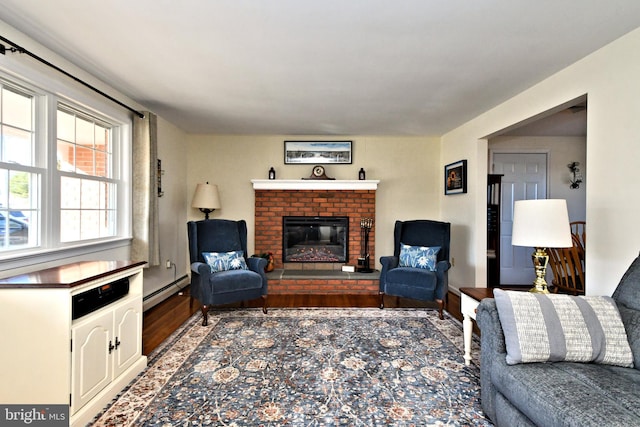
[469,300]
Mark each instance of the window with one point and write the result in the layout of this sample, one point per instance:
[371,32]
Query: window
[19,176]
[87,188]
[61,172]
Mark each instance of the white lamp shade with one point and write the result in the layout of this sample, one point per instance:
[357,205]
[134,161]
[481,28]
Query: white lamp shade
[541,223]
[206,197]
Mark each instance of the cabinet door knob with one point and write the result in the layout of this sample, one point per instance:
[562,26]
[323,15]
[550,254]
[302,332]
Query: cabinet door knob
[111,347]
[117,343]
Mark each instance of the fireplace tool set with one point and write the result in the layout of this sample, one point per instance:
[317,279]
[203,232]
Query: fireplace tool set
[363,261]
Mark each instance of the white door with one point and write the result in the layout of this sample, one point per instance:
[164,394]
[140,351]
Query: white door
[91,366]
[525,178]
[127,331]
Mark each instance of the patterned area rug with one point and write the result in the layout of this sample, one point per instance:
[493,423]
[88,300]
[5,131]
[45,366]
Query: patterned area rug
[306,367]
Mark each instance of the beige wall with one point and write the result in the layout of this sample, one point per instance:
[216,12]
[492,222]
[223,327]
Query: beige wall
[408,169]
[610,79]
[172,215]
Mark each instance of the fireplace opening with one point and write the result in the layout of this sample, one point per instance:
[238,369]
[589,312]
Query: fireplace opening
[315,238]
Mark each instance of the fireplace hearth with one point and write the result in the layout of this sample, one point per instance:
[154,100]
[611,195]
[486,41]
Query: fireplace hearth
[315,239]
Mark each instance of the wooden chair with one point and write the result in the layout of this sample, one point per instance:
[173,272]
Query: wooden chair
[567,265]
[579,233]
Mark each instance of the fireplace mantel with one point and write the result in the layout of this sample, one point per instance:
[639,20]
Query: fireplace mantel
[314,184]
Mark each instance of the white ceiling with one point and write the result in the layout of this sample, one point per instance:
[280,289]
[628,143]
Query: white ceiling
[322,67]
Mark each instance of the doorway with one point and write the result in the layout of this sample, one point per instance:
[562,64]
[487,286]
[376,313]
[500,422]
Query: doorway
[560,134]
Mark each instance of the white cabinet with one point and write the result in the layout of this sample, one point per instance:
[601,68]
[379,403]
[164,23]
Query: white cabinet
[50,358]
[103,346]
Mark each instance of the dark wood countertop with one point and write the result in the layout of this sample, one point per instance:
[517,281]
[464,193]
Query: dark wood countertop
[68,275]
[478,293]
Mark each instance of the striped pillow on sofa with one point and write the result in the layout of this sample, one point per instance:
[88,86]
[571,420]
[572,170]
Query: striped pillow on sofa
[553,328]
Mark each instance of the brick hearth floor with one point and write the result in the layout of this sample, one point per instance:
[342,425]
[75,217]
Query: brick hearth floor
[292,281]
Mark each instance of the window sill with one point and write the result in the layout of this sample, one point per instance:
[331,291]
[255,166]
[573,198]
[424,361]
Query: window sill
[39,258]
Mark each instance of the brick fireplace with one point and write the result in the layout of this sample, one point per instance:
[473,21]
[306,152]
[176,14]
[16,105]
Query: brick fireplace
[275,199]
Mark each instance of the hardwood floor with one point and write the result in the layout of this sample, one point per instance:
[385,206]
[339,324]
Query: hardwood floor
[163,319]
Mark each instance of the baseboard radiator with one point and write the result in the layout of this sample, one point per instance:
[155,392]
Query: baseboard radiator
[163,293]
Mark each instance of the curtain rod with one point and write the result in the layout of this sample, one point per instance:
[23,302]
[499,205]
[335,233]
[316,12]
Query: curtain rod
[20,49]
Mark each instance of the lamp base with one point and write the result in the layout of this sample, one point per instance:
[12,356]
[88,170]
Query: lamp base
[540,260]
[537,289]
[206,212]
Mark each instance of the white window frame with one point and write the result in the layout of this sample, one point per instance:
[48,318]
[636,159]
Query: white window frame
[38,165]
[49,90]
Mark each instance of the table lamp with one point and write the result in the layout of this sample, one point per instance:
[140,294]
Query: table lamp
[206,198]
[541,224]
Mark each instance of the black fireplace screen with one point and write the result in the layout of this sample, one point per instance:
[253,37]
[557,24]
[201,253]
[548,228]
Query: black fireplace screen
[315,238]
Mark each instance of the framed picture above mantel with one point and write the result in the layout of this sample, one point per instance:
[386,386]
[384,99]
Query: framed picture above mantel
[455,178]
[318,152]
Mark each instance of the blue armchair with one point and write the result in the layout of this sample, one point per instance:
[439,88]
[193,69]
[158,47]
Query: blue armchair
[399,278]
[227,285]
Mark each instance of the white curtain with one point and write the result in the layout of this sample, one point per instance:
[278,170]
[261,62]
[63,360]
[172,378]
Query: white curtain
[145,245]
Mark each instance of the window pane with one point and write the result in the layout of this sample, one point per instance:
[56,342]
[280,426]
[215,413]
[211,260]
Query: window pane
[103,151]
[28,216]
[104,202]
[107,223]
[89,225]
[101,164]
[69,193]
[69,225]
[18,209]
[84,132]
[17,130]
[19,183]
[17,146]
[66,126]
[88,209]
[103,139]
[90,194]
[4,188]
[17,109]
[13,232]
[66,156]
[84,144]
[84,160]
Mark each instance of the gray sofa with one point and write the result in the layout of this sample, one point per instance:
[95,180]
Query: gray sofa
[562,393]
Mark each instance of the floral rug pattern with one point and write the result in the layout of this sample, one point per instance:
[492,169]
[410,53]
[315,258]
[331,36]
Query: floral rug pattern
[306,367]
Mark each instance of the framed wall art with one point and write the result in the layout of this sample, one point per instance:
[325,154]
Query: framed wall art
[455,178]
[317,152]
